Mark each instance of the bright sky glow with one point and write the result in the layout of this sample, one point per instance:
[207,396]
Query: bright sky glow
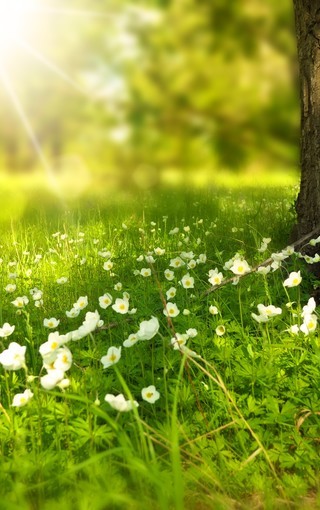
[26,30]
[16,18]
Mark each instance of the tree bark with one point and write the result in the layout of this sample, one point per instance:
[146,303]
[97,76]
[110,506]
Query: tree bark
[307,19]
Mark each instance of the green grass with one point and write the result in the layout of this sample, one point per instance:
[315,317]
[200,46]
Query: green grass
[234,428]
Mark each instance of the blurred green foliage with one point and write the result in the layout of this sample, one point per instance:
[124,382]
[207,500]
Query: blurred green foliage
[158,86]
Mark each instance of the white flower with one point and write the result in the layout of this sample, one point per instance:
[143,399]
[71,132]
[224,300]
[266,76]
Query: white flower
[220,330]
[177,262]
[148,329]
[62,280]
[119,403]
[264,269]
[6,330]
[213,310]
[150,394]
[187,255]
[191,264]
[20,302]
[131,340]
[105,300]
[275,265]
[81,303]
[259,318]
[21,399]
[240,267]
[289,250]
[169,275]
[118,286]
[293,280]
[36,296]
[263,248]
[74,312]
[63,359]
[11,287]
[113,355]
[91,322]
[104,253]
[269,311]
[51,323]
[174,231]
[309,308]
[145,272]
[48,349]
[185,311]
[202,259]
[178,341]
[215,277]
[191,332]
[171,310]
[108,265]
[187,281]
[52,378]
[309,324]
[171,292]
[13,358]
[159,251]
[266,312]
[278,257]
[313,242]
[121,306]
[294,330]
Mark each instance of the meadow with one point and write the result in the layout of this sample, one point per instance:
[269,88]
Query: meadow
[151,359]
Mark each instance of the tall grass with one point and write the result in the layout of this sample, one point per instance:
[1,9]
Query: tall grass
[237,422]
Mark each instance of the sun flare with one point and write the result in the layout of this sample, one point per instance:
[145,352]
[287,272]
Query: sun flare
[16,19]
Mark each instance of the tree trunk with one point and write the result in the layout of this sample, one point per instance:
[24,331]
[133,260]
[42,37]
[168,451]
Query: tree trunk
[307,17]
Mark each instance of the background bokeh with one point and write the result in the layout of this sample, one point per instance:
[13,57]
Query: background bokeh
[134,95]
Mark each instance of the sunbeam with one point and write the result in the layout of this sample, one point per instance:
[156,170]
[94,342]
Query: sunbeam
[27,126]
[16,17]
[23,31]
[50,65]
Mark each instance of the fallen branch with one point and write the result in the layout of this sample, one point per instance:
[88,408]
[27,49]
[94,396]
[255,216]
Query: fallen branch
[300,242]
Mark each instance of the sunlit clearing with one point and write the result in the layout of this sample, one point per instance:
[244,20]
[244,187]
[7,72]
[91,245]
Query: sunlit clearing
[17,18]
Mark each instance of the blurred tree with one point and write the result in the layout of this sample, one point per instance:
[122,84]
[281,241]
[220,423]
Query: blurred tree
[171,84]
